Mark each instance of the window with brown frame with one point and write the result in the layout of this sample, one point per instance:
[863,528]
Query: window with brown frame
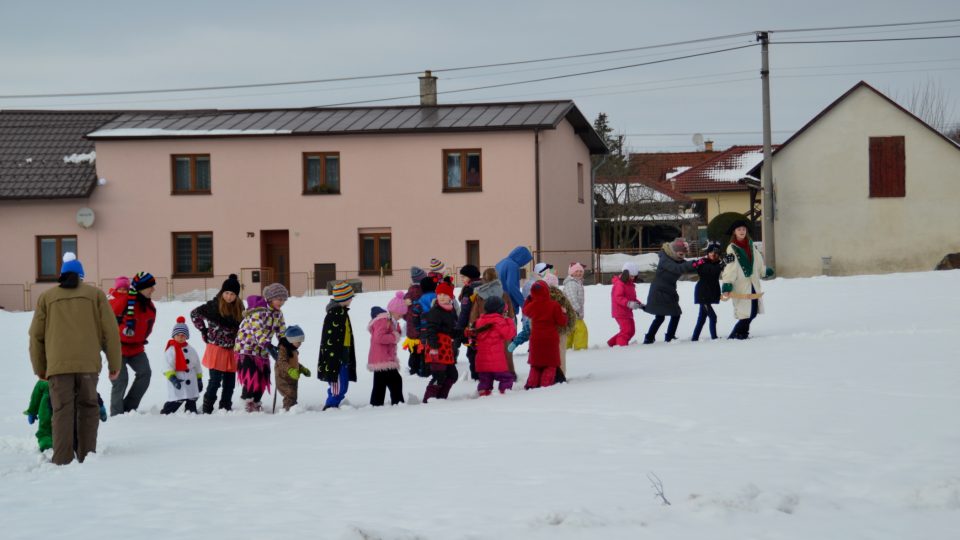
[193,254]
[50,250]
[191,174]
[580,183]
[376,251]
[321,173]
[887,167]
[462,170]
[473,252]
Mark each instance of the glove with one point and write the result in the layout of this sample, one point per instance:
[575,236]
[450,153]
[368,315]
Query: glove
[175,381]
[304,371]
[103,413]
[634,305]
[729,258]
[294,373]
[769,273]
[199,384]
[272,349]
[511,347]
[31,418]
[699,262]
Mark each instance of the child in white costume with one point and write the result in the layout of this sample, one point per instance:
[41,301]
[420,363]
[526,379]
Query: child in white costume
[183,371]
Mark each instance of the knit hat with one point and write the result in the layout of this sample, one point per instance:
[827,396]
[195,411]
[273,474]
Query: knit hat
[376,310]
[71,264]
[436,265]
[275,291]
[680,247]
[416,274]
[397,304]
[552,280]
[470,271]
[494,304]
[141,281]
[631,267]
[445,288]
[121,283]
[712,246]
[342,292]
[294,334]
[575,267]
[542,267]
[231,284]
[428,285]
[180,328]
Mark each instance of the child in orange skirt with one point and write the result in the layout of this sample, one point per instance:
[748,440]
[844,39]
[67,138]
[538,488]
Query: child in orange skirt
[218,322]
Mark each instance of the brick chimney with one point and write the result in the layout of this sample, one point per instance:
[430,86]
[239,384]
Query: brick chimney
[707,144]
[428,90]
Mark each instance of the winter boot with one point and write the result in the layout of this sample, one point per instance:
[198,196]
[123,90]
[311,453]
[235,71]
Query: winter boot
[648,339]
[484,393]
[669,337]
[432,391]
[207,405]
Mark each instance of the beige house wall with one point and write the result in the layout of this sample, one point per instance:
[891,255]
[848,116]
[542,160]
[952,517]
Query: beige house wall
[823,204]
[390,181]
[719,202]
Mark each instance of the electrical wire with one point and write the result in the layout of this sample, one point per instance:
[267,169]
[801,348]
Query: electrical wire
[859,26]
[871,40]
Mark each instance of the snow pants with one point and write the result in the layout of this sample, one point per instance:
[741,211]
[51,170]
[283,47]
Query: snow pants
[578,338]
[627,329]
[384,380]
[443,378]
[504,378]
[540,377]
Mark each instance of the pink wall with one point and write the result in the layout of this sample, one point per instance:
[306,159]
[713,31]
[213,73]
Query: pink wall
[386,181]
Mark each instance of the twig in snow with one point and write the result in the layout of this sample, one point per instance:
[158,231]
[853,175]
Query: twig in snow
[657,488]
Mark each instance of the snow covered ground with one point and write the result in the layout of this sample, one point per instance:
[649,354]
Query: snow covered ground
[837,420]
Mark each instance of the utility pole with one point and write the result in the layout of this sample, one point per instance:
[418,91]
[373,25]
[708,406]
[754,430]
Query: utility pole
[766,174]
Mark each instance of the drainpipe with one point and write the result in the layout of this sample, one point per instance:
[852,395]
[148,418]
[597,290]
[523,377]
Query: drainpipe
[536,153]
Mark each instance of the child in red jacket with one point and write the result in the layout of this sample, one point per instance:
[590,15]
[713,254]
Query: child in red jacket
[491,333]
[623,300]
[135,314]
[546,316]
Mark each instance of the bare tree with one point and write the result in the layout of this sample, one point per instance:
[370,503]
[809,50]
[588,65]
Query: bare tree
[931,102]
[624,206]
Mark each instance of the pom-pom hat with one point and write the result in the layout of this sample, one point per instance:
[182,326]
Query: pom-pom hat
[180,328]
[71,264]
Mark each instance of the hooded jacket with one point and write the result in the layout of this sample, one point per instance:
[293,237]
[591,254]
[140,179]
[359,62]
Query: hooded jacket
[508,270]
[620,295]
[662,298]
[492,334]
[545,318]
[384,335]
[488,290]
[260,323]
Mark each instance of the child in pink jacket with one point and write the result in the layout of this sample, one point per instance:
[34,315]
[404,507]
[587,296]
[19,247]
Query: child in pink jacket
[623,302]
[492,331]
[382,360]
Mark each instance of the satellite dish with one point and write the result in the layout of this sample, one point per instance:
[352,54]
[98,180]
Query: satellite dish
[698,140]
[85,217]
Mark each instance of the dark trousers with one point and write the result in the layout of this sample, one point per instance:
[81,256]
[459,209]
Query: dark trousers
[443,378]
[119,403]
[383,380]
[655,325]
[472,360]
[417,365]
[229,381]
[741,330]
[170,407]
[706,312]
[76,413]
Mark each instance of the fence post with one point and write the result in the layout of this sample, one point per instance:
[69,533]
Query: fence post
[170,289]
[26,296]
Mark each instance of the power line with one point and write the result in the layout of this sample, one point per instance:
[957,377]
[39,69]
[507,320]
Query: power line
[872,40]
[859,26]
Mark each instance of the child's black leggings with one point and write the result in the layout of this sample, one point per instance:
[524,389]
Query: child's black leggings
[706,312]
[655,325]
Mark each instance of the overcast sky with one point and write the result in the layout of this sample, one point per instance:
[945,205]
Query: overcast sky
[56,47]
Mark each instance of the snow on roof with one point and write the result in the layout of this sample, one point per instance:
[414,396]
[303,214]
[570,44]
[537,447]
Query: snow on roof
[160,132]
[619,192]
[735,168]
[89,157]
[676,171]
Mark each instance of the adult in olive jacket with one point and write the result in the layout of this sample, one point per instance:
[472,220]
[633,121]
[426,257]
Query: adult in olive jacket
[71,325]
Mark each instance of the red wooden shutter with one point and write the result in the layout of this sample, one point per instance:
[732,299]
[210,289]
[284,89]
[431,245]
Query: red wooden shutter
[887,167]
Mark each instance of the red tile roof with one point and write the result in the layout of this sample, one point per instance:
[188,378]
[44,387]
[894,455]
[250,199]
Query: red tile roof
[720,173]
[655,166]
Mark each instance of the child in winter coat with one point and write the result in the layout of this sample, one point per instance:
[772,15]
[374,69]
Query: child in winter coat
[183,371]
[546,316]
[740,279]
[707,291]
[41,410]
[121,286]
[623,302]
[491,333]
[382,360]
[411,343]
[218,322]
[337,364]
[438,334]
[662,299]
[288,365]
[135,314]
[573,289]
[261,322]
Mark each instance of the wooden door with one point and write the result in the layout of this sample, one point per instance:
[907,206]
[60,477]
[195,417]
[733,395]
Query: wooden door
[275,255]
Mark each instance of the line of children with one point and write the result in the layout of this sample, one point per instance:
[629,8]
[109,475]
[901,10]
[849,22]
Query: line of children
[337,364]
[183,371]
[218,321]
[288,366]
[261,322]
[382,359]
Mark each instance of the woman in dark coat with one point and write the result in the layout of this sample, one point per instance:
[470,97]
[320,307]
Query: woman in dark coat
[707,291]
[663,300]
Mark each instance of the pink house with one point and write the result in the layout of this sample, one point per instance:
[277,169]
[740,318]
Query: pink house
[294,195]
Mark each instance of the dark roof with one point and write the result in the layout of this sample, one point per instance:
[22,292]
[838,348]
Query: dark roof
[722,173]
[351,120]
[33,145]
[863,84]
[654,166]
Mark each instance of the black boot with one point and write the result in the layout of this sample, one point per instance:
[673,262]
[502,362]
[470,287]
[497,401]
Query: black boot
[668,338]
[208,405]
[648,339]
